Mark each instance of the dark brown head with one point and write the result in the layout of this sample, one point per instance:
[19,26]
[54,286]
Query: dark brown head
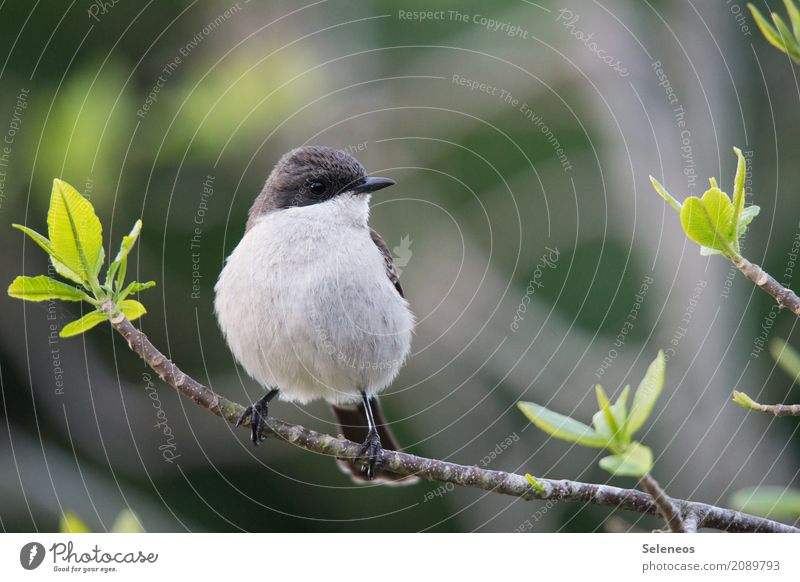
[310,175]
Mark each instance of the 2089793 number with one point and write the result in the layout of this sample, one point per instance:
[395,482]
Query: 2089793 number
[749,565]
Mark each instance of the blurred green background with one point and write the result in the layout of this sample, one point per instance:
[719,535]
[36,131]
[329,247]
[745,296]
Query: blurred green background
[553,151]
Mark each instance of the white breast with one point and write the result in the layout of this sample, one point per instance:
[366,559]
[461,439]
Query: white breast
[306,306]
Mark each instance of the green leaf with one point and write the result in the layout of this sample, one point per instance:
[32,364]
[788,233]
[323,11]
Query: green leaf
[132,309]
[748,214]
[605,408]
[602,426]
[534,483]
[127,522]
[794,16]
[619,411]
[707,252]
[42,241]
[766,29]
[665,195]
[619,408]
[768,501]
[786,357]
[71,523]
[83,324]
[135,287]
[119,266]
[635,461]
[560,426]
[42,288]
[738,198]
[75,231]
[705,220]
[646,395]
[788,38]
[38,238]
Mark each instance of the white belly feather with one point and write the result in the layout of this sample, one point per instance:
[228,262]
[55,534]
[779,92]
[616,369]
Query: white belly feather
[306,306]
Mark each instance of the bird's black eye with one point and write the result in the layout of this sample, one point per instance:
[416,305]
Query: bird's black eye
[317,188]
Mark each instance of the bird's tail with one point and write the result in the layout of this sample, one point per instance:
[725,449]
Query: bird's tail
[353,426]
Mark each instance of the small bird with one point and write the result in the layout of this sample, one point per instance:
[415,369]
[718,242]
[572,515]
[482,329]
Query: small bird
[310,302]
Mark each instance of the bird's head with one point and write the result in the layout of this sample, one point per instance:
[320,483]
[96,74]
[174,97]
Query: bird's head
[311,175]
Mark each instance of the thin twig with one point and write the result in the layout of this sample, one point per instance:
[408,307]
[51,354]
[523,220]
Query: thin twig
[668,510]
[745,401]
[779,409]
[433,469]
[785,297]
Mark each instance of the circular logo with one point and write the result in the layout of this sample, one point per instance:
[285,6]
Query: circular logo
[31,555]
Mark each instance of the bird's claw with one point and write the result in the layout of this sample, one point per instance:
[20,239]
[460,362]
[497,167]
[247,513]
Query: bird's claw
[372,453]
[257,413]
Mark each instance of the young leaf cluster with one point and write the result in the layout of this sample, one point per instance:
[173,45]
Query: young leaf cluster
[613,425]
[778,34]
[75,246]
[714,221]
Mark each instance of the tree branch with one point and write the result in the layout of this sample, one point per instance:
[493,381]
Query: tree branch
[668,510]
[691,522]
[745,401]
[434,470]
[779,409]
[785,297]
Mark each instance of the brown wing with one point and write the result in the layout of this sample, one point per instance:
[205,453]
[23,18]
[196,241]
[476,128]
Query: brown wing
[391,272]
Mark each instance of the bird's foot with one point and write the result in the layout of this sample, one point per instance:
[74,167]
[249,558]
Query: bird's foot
[257,413]
[372,453]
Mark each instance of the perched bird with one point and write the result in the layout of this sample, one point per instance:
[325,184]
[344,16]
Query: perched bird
[310,302]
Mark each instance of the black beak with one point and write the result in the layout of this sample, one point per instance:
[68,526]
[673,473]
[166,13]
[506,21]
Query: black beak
[371,184]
